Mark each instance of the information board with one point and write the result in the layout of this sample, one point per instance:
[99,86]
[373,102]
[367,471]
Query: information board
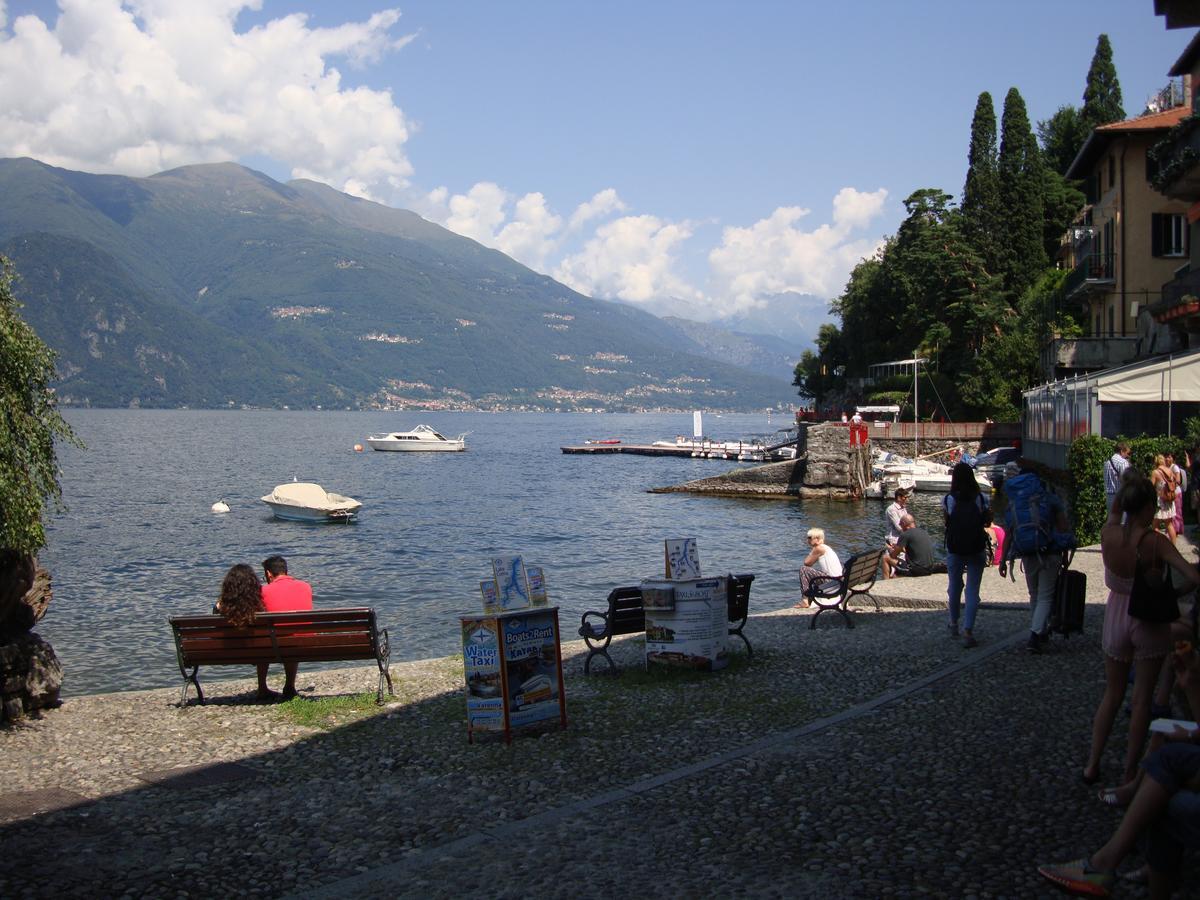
[513,667]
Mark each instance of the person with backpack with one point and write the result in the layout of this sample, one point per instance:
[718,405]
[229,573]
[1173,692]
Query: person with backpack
[966,547]
[1036,533]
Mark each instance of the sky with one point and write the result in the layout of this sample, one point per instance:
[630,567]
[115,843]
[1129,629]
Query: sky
[692,158]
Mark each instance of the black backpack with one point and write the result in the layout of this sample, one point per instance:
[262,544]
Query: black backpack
[964,527]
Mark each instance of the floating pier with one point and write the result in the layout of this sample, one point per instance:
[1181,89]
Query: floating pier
[637,449]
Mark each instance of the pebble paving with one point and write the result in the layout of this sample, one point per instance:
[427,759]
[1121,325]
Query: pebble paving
[879,761]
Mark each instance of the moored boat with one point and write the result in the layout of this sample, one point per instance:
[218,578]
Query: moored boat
[304,501]
[420,438]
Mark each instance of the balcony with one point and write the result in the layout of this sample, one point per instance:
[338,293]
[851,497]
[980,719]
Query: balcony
[1063,357]
[1095,271]
[1177,159]
[1180,301]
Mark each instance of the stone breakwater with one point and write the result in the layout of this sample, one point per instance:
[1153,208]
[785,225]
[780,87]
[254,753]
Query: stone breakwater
[883,760]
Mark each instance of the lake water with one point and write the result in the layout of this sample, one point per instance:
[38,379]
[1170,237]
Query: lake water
[139,543]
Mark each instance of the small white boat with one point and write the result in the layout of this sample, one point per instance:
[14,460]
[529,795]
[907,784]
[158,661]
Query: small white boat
[303,501]
[420,438]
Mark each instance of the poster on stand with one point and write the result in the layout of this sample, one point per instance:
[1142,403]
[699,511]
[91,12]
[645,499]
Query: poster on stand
[694,633]
[485,680]
[682,557]
[512,586]
[531,664]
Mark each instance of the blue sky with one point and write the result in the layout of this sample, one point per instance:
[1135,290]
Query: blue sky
[694,158]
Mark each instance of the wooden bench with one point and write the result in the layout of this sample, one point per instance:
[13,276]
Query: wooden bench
[627,615]
[834,592]
[325,635]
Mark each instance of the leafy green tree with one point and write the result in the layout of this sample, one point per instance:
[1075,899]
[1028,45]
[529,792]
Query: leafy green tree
[1062,137]
[1102,94]
[816,373]
[1021,198]
[981,192]
[928,291]
[1061,202]
[29,425]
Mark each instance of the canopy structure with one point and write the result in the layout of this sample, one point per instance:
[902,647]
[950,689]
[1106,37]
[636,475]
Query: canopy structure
[1153,396]
[1174,379]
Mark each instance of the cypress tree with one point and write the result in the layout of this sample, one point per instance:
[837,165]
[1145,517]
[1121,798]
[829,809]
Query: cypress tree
[1021,201]
[981,192]
[1102,95]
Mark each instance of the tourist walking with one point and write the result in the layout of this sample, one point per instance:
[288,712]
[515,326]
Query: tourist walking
[1113,469]
[966,546]
[1164,485]
[1036,533]
[1180,478]
[1130,548]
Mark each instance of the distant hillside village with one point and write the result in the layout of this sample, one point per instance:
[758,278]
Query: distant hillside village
[1061,290]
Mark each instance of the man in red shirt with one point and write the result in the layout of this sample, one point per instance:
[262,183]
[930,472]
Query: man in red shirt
[282,593]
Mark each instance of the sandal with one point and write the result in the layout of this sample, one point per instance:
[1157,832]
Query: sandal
[1076,877]
[1109,797]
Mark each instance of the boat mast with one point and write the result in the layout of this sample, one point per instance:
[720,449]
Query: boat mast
[917,360]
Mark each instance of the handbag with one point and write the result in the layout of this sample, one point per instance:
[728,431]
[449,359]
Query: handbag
[1152,598]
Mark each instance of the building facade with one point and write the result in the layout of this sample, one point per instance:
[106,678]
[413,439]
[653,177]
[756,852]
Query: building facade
[1127,241]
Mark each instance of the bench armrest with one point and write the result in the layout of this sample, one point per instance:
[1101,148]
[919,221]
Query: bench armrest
[594,630]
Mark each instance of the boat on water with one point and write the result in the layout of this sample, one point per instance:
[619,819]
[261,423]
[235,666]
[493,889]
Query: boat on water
[420,438]
[304,501]
[924,474]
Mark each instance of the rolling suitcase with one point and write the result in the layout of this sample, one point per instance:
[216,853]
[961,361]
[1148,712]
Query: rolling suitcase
[1066,616]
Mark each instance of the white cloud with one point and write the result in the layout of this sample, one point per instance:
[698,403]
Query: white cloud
[602,204]
[634,258]
[774,255]
[145,85]
[526,228]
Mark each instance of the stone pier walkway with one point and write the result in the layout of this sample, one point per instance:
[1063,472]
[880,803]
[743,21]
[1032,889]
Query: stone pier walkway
[880,761]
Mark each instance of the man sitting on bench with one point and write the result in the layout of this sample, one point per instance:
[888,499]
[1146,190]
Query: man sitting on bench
[282,593]
[917,548]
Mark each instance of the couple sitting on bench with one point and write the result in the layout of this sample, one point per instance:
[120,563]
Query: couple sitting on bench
[242,595]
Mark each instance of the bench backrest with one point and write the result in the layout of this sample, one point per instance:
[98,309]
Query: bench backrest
[862,568]
[739,596]
[308,636]
[626,614]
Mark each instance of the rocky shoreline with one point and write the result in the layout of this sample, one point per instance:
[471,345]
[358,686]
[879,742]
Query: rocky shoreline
[883,760]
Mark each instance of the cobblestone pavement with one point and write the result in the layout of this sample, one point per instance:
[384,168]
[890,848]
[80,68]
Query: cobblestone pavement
[880,761]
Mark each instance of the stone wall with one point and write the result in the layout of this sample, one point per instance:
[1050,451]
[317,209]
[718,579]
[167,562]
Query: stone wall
[830,467]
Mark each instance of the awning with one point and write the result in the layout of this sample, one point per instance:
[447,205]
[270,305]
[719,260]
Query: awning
[1175,379]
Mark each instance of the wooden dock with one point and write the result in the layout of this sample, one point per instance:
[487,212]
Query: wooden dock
[636,449]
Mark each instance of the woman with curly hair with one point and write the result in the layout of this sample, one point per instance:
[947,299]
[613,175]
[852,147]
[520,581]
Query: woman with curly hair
[241,595]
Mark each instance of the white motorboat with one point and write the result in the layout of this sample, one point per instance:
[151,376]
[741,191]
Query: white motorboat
[303,501]
[923,474]
[420,438]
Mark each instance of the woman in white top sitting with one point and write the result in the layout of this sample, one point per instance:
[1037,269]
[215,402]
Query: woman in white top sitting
[822,560]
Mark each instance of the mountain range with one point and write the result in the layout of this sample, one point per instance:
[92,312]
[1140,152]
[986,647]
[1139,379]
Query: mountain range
[215,285]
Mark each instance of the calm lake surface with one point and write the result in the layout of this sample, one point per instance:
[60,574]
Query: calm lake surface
[139,543]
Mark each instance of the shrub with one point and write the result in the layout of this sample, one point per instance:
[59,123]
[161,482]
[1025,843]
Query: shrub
[1085,467]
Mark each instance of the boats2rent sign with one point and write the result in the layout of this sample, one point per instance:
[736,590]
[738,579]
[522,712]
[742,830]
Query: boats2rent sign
[512,669]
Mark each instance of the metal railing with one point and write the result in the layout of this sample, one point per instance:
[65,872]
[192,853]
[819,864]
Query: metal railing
[1095,268]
